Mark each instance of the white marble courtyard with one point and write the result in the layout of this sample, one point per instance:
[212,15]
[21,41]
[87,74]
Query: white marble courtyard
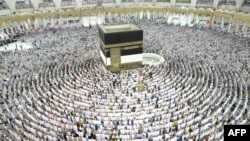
[16,46]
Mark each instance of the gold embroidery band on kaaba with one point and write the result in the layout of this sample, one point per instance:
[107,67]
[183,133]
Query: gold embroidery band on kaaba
[120,44]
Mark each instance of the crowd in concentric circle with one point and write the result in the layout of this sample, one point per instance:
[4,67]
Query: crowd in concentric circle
[60,90]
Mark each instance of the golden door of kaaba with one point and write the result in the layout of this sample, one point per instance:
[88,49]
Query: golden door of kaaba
[115,57]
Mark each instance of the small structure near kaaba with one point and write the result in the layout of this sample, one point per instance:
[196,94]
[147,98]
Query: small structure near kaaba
[121,46]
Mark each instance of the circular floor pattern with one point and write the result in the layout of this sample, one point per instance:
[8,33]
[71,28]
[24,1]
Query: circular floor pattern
[152,59]
[182,96]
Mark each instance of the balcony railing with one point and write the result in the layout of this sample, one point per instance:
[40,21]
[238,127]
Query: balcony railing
[183,1]
[96,1]
[89,2]
[231,2]
[163,0]
[205,1]
[127,1]
[108,1]
[21,5]
[46,4]
[68,2]
[145,1]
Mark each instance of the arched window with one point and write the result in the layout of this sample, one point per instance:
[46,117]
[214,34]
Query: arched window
[68,2]
[20,4]
[46,3]
[3,5]
[89,1]
[107,1]
[247,1]
[228,1]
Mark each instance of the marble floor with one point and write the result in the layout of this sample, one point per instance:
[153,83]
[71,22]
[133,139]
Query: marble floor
[16,45]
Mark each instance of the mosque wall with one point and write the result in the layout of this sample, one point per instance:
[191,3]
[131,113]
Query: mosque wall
[5,12]
[245,9]
[238,6]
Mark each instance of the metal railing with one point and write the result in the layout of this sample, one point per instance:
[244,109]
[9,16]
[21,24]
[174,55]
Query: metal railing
[228,2]
[21,5]
[145,1]
[46,4]
[68,2]
[163,0]
[205,1]
[183,1]
[128,1]
[89,2]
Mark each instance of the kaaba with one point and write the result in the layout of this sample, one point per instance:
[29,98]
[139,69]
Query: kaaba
[121,46]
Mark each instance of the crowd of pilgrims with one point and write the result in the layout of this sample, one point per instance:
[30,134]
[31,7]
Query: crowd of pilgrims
[60,90]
